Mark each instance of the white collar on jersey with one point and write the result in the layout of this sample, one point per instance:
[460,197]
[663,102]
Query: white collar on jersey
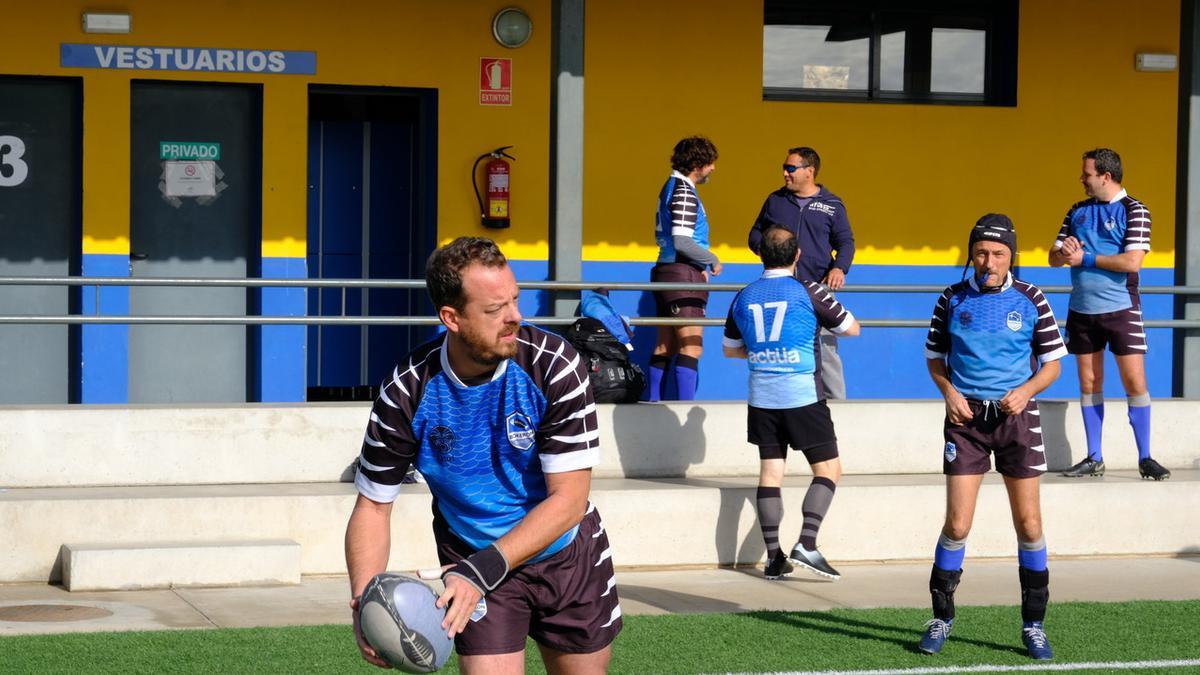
[777,272]
[1008,282]
[676,174]
[1120,195]
[450,371]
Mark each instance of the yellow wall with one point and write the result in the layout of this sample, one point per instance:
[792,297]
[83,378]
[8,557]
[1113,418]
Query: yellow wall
[914,177]
[403,43]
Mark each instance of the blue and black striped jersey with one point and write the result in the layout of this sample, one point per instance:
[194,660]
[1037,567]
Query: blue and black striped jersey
[993,340]
[1105,228]
[680,213]
[483,449]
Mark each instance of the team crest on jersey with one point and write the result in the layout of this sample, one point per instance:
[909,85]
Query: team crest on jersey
[965,318]
[442,439]
[1110,224]
[480,610]
[951,452]
[520,430]
[1013,321]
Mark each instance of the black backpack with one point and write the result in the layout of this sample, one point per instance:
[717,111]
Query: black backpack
[615,379]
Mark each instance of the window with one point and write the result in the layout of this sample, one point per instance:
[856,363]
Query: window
[939,51]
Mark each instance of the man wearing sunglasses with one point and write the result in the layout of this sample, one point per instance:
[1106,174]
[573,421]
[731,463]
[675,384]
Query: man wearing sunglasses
[818,219]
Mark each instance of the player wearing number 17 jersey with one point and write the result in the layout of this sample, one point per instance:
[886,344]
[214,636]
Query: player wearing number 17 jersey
[775,323]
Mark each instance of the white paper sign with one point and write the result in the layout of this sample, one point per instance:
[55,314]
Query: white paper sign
[190,179]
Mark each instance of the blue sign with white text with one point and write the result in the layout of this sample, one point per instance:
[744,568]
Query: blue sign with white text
[201,59]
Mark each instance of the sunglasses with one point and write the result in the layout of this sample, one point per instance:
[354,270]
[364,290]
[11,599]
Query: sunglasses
[792,168]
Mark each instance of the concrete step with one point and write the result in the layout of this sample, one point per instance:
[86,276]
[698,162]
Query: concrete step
[134,565]
[316,443]
[651,522]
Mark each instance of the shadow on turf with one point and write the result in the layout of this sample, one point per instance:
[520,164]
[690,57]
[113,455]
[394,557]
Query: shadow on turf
[819,621]
[674,601]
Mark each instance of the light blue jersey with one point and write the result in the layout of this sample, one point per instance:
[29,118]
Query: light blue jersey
[1105,228]
[993,339]
[777,319]
[483,448]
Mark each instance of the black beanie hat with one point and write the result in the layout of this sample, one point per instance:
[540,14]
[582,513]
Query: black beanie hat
[994,227]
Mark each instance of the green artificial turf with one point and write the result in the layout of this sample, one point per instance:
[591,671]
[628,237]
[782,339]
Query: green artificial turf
[682,643]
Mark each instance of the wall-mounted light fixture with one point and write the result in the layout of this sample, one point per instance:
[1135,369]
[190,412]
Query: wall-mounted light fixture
[512,27]
[107,22]
[1157,63]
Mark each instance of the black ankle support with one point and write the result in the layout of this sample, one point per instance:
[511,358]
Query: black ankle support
[1035,594]
[942,584]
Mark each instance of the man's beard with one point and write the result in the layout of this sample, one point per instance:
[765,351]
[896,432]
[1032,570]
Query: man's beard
[489,355]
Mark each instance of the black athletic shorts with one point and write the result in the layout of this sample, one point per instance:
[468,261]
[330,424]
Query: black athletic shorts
[1123,331]
[566,602]
[1016,441]
[807,428]
[689,304]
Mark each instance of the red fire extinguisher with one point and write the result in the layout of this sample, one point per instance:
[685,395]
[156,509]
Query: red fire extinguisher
[495,212]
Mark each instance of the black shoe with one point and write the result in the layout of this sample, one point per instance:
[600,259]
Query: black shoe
[1088,467]
[778,567]
[1153,470]
[814,562]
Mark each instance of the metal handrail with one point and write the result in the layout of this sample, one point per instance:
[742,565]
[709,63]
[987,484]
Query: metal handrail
[419,284]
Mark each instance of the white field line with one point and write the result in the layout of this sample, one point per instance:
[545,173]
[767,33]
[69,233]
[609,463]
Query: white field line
[985,668]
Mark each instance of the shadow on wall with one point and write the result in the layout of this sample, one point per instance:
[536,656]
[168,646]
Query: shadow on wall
[685,441]
[1054,435]
[732,547]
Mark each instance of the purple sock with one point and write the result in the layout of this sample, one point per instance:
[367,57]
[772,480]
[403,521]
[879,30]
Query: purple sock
[1092,406]
[1139,419]
[687,376]
[658,368]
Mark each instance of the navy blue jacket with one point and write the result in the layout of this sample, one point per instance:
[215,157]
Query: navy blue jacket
[821,228]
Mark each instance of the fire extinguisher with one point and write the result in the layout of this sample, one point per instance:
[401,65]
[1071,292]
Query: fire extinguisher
[495,213]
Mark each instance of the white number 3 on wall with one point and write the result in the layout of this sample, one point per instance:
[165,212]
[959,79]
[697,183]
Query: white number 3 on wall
[13,169]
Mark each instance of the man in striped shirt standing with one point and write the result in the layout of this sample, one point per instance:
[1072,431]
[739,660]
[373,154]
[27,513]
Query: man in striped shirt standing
[1104,239]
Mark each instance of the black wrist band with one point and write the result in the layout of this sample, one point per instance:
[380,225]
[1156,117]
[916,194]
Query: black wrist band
[484,569]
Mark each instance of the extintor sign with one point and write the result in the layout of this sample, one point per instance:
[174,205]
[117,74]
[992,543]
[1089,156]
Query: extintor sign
[495,81]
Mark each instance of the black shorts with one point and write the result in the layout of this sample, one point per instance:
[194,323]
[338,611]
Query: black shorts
[1016,441]
[689,304]
[807,428]
[1123,331]
[567,602]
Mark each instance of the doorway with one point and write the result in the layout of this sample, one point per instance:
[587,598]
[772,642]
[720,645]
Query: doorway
[371,215]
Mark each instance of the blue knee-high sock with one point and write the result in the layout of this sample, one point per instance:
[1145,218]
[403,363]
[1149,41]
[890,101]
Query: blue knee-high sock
[658,369]
[949,553]
[1139,419]
[1032,555]
[1092,406]
[687,375]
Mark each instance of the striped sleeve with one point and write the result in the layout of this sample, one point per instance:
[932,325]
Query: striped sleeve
[1137,226]
[568,435]
[1065,230]
[830,313]
[685,209]
[389,444]
[733,334]
[937,343]
[1048,343]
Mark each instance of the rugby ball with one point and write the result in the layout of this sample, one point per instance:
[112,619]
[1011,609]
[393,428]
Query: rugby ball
[400,619]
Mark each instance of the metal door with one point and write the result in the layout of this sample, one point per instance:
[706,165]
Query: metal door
[192,236]
[368,150]
[40,165]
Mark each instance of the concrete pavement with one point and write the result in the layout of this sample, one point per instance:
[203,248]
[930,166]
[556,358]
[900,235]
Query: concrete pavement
[40,608]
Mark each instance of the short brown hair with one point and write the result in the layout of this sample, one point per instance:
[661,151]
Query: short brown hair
[443,272]
[692,153]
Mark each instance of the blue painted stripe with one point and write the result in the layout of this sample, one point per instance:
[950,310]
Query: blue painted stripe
[104,371]
[279,351]
[884,362]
